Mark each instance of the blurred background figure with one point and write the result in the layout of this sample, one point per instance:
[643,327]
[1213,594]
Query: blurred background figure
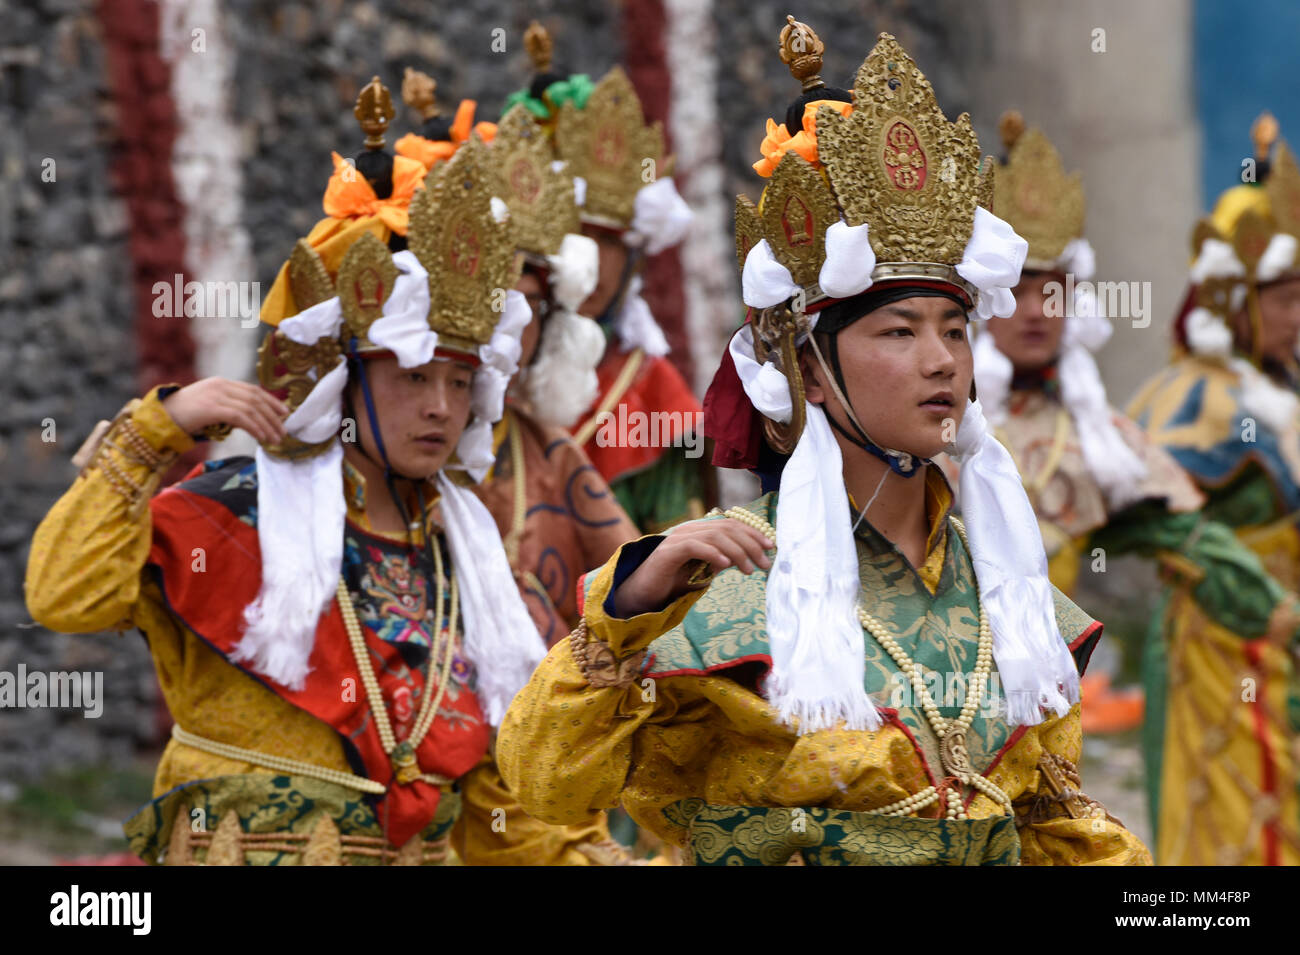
[1224,745]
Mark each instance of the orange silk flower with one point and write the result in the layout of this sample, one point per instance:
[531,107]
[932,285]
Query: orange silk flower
[429,151]
[349,196]
[778,140]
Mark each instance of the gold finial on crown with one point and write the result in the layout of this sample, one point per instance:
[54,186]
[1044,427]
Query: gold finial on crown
[801,51]
[1011,127]
[1283,189]
[894,162]
[1263,133]
[538,43]
[1033,193]
[374,111]
[419,91]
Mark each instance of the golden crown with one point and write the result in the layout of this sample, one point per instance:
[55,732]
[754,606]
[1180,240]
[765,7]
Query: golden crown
[893,161]
[540,199]
[1283,190]
[609,144]
[539,46]
[374,111]
[469,255]
[470,259]
[1035,195]
[1247,217]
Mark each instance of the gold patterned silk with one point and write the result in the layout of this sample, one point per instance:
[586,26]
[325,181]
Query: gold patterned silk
[569,749]
[86,573]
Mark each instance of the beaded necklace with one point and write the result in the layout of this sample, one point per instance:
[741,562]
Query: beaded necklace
[402,755]
[951,733]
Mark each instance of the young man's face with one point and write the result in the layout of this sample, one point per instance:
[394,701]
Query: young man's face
[422,412]
[908,369]
[613,258]
[1279,310]
[1030,338]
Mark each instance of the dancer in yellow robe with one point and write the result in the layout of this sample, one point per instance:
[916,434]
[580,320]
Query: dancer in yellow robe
[895,689]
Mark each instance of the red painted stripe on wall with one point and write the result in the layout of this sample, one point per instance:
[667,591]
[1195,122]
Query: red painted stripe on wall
[144,132]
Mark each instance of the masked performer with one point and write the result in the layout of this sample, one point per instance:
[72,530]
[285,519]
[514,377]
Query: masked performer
[640,429]
[1094,477]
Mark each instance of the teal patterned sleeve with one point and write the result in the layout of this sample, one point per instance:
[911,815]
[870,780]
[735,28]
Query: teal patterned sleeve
[1234,590]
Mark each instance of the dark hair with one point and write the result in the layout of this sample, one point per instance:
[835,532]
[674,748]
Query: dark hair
[537,88]
[437,128]
[794,112]
[377,166]
[839,315]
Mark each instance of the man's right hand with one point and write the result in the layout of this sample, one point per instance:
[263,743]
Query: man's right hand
[665,574]
[222,401]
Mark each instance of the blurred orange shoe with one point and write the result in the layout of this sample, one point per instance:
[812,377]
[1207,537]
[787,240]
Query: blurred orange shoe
[1107,710]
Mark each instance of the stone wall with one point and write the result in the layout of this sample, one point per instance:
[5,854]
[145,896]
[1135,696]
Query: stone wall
[68,353]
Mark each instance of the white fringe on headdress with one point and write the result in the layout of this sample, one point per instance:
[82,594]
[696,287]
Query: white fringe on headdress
[636,327]
[813,631]
[501,639]
[1034,664]
[660,217]
[301,507]
[816,640]
[300,514]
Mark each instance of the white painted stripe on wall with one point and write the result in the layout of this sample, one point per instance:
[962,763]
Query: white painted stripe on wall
[708,255]
[208,169]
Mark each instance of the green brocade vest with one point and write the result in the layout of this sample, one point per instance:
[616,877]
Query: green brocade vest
[727,628]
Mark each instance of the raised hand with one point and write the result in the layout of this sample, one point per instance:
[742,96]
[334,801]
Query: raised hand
[667,573]
[222,401]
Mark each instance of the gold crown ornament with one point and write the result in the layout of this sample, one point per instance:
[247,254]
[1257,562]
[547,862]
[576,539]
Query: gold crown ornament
[891,160]
[374,111]
[539,46]
[307,278]
[1035,195]
[1249,218]
[467,251]
[541,199]
[469,254]
[420,93]
[609,144]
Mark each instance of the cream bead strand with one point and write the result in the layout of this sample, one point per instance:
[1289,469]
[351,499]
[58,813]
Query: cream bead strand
[941,726]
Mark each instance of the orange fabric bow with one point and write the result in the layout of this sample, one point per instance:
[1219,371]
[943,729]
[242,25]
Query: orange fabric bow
[778,140]
[349,196]
[428,152]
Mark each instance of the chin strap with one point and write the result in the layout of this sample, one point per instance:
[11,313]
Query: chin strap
[900,462]
[606,318]
[359,366]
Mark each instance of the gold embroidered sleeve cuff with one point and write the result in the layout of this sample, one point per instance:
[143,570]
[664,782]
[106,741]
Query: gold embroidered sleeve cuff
[597,661]
[134,450]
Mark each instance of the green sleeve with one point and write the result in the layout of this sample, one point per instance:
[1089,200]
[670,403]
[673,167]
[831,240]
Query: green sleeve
[1235,592]
[665,494]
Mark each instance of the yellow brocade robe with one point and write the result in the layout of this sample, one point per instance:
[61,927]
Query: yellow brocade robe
[668,739]
[1225,740]
[86,573]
